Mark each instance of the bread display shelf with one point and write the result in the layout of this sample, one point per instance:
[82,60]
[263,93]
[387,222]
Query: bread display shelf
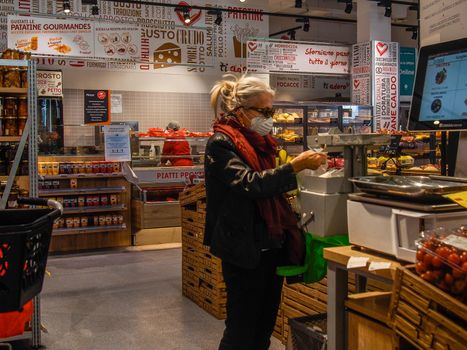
[90,229]
[72,191]
[100,209]
[80,176]
[285,124]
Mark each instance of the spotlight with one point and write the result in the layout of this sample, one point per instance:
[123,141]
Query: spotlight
[242,0]
[387,7]
[306,25]
[186,15]
[414,31]
[298,4]
[292,34]
[388,11]
[348,6]
[66,6]
[218,19]
[95,10]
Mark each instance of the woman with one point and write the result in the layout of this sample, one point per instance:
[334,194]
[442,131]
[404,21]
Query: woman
[175,147]
[249,224]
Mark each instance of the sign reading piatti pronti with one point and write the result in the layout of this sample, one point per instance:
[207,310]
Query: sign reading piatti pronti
[96,107]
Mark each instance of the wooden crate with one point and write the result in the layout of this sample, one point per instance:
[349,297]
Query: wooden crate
[192,195]
[366,334]
[425,315]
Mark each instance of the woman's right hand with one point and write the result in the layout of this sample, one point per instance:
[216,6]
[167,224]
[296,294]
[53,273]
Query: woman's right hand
[308,160]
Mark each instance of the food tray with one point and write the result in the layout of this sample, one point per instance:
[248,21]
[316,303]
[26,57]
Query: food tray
[421,187]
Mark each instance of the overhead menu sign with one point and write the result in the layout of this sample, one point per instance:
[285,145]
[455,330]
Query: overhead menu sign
[73,38]
[267,56]
[96,107]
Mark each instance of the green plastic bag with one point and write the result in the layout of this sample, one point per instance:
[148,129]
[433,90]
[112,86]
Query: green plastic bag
[315,267]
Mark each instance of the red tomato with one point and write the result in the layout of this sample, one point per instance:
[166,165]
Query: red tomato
[420,255]
[443,285]
[456,274]
[464,257]
[448,279]
[420,267]
[429,245]
[427,259]
[443,252]
[454,258]
[458,287]
[464,267]
[438,275]
[437,262]
[428,276]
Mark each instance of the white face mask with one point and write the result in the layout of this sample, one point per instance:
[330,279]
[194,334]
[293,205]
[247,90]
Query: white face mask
[261,125]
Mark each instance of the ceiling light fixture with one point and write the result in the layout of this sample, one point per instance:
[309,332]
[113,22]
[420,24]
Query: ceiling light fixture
[66,6]
[348,5]
[292,34]
[242,0]
[387,7]
[414,31]
[306,25]
[218,19]
[95,10]
[186,15]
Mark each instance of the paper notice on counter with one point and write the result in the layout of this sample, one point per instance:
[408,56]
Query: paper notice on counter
[117,143]
[379,265]
[459,197]
[357,261]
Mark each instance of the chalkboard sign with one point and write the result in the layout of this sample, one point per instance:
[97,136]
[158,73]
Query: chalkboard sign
[96,107]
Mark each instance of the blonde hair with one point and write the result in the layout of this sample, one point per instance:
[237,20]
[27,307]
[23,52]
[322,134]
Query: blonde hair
[233,92]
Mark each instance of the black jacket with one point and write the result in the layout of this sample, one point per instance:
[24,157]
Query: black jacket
[234,229]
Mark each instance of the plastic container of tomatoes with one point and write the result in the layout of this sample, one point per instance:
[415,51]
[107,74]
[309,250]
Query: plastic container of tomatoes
[442,260]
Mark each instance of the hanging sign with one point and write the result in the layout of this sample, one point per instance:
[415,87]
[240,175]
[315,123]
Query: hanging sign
[267,57]
[385,84]
[73,37]
[49,83]
[96,107]
[361,74]
[408,58]
[117,143]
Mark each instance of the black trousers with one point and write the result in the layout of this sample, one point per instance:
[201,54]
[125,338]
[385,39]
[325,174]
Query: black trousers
[253,298]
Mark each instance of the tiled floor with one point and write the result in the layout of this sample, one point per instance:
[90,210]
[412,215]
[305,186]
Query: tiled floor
[122,301]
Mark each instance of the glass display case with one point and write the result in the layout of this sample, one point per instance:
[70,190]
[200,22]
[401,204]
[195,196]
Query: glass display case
[294,121]
[160,169]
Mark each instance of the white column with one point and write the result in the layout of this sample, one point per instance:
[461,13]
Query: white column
[371,22]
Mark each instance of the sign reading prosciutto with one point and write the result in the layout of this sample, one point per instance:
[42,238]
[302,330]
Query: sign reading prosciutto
[268,56]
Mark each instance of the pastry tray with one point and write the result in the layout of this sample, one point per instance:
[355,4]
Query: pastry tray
[421,187]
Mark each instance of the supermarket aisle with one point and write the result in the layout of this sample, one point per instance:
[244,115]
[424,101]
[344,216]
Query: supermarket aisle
[123,301]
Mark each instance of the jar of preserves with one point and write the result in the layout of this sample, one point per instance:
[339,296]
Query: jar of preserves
[2,71]
[24,55]
[2,121]
[10,128]
[84,221]
[24,168]
[21,124]
[23,73]
[11,106]
[12,78]
[76,221]
[23,106]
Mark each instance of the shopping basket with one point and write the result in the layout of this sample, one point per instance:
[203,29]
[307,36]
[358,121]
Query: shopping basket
[308,333]
[24,246]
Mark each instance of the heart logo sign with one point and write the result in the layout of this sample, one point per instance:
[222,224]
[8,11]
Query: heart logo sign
[382,48]
[252,46]
[356,83]
[195,16]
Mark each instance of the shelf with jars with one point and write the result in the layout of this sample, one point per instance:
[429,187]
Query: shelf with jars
[96,201]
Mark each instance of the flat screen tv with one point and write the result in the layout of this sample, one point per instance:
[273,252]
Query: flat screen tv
[440,93]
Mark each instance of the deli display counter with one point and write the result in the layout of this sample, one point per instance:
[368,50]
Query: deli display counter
[157,181]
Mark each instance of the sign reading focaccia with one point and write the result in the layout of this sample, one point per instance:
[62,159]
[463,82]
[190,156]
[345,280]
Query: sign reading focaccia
[166,55]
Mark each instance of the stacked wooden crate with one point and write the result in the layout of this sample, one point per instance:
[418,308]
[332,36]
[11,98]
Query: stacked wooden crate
[201,271]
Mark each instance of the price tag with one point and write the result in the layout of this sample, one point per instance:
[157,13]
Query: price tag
[379,265]
[459,197]
[357,261]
